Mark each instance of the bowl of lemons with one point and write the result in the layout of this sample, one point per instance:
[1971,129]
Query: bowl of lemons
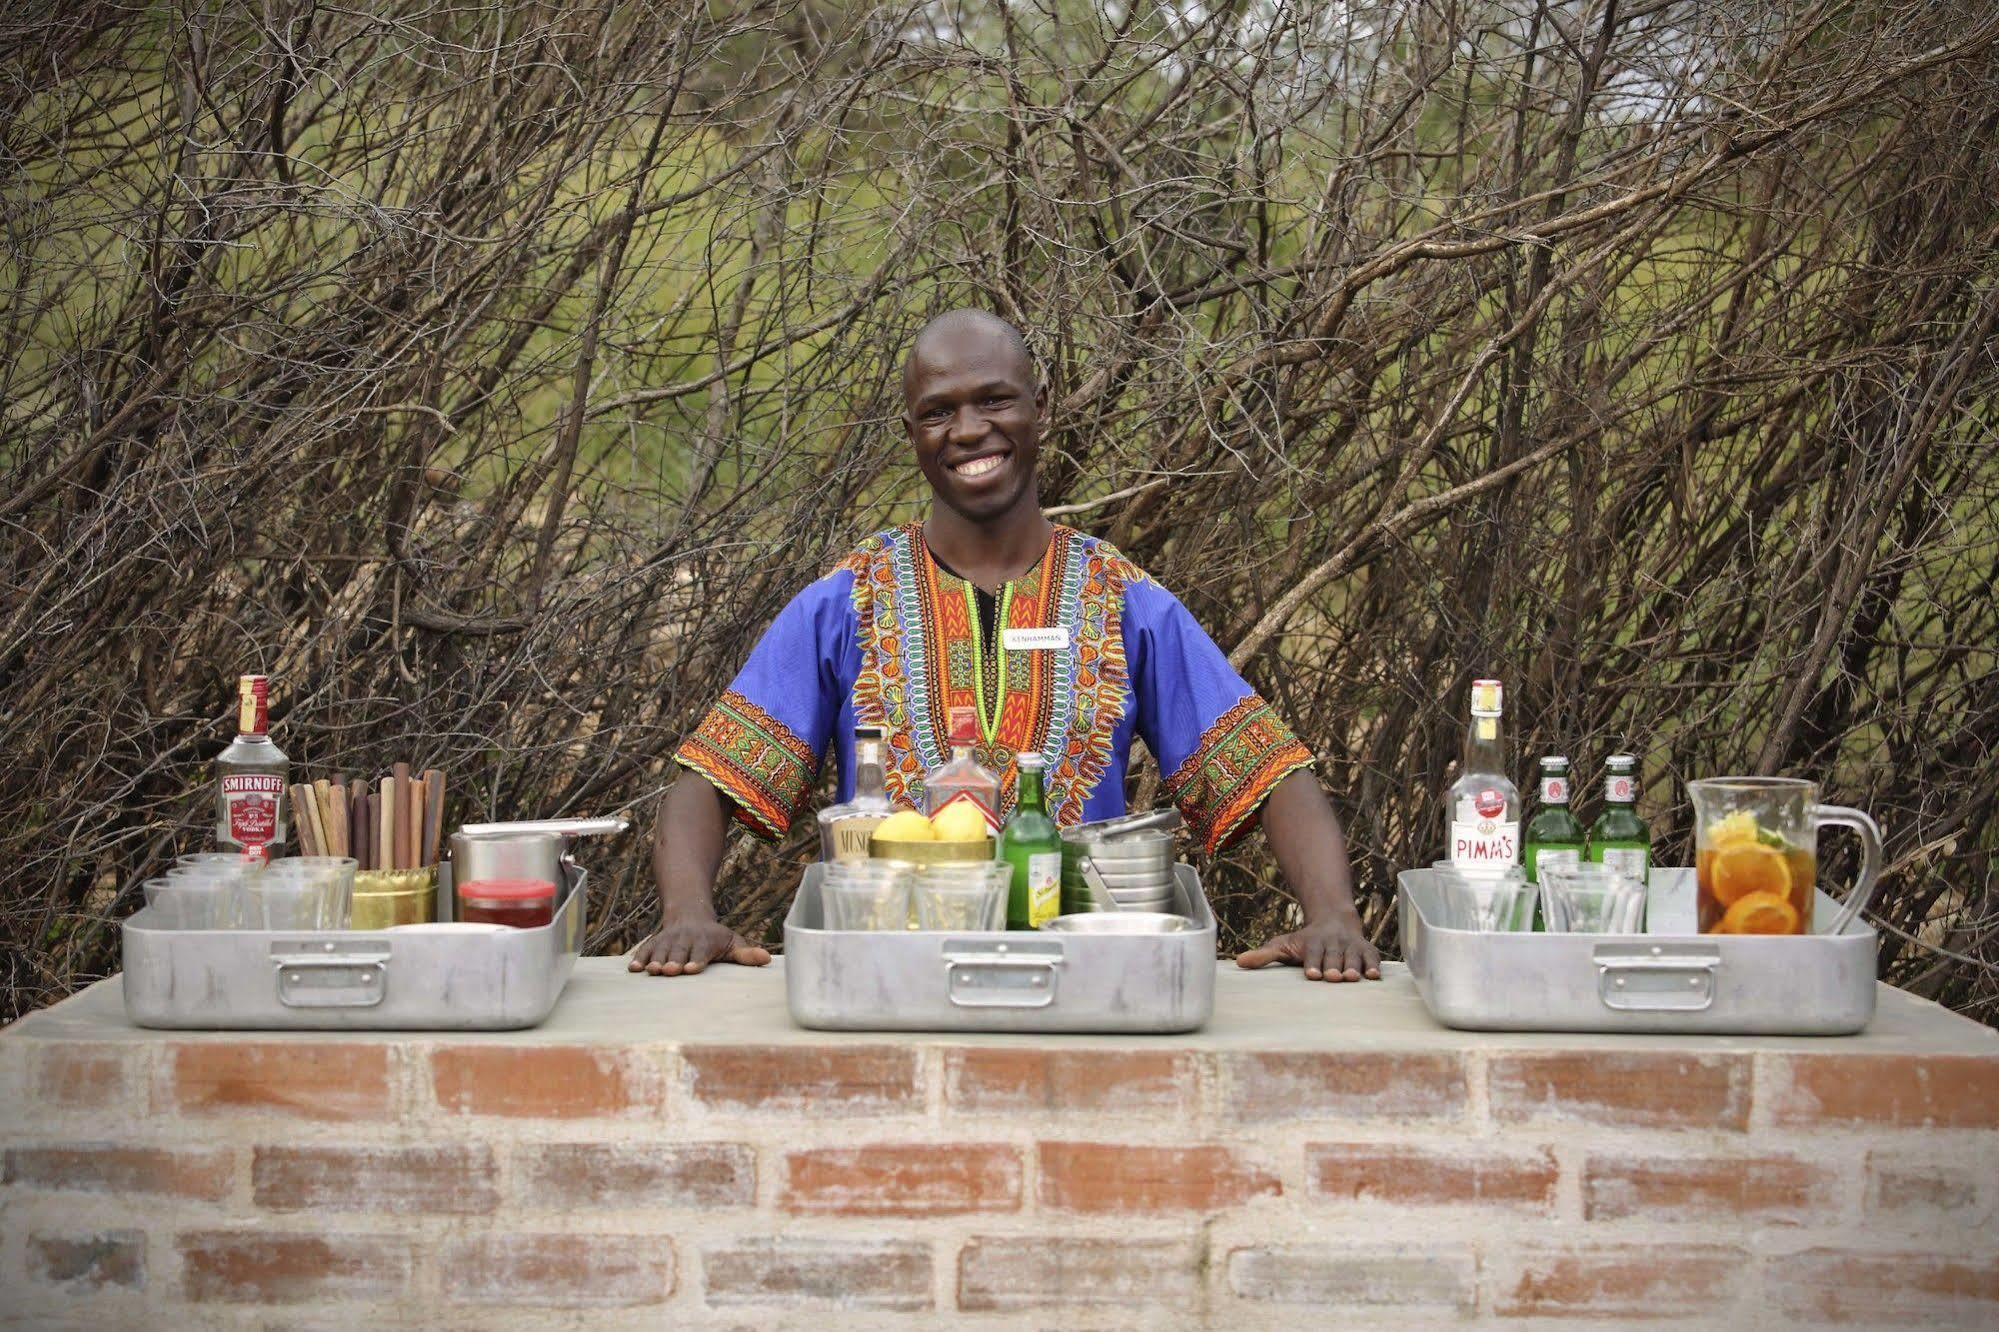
[956,833]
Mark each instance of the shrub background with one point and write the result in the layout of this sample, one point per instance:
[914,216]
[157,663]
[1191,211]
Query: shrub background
[490,373]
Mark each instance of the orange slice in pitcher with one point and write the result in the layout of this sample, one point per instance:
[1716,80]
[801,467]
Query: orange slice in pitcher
[1741,868]
[1760,913]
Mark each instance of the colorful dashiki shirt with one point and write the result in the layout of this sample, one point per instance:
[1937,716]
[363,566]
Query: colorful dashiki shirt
[891,638]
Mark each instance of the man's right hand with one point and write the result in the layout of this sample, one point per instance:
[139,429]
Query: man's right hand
[685,947]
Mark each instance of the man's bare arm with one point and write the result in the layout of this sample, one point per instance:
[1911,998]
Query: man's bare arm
[1311,850]
[689,834]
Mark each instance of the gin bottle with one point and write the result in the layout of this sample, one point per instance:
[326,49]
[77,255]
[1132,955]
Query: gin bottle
[844,829]
[1553,837]
[962,778]
[250,813]
[1484,802]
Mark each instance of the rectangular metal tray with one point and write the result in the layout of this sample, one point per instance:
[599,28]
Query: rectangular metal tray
[1668,979]
[998,980]
[411,978]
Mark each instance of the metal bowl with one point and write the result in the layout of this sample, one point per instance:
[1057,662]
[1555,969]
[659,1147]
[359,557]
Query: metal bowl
[1119,922]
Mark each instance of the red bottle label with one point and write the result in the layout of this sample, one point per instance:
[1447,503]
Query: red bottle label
[992,819]
[252,801]
[1489,803]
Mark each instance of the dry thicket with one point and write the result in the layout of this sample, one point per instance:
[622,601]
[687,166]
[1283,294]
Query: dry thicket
[490,372]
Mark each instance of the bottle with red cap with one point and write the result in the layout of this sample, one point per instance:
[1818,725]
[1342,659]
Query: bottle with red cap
[962,777]
[250,777]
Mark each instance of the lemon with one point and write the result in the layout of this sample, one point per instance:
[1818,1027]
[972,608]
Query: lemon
[906,826]
[958,822]
[1737,827]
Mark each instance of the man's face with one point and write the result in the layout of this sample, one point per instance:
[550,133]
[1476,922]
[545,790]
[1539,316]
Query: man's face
[974,416]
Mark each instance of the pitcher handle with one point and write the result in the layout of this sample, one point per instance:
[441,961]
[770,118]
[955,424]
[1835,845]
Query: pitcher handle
[1858,896]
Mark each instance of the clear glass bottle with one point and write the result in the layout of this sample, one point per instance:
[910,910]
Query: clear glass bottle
[1619,838]
[962,777]
[250,778]
[1030,844]
[1484,802]
[1552,835]
[844,829]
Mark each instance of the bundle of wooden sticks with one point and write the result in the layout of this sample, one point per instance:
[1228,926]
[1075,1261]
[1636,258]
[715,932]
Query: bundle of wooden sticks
[394,823]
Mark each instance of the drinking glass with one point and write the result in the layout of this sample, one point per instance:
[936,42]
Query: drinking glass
[191,902]
[1591,899]
[968,896]
[1756,854]
[866,897]
[334,875]
[287,902]
[1489,901]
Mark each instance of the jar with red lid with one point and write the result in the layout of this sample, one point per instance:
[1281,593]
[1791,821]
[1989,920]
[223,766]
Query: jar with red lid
[525,904]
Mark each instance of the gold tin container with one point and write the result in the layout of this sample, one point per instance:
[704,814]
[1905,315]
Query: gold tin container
[383,898]
[929,853]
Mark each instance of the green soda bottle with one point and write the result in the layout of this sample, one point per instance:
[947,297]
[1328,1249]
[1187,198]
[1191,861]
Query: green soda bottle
[1552,836]
[1030,844]
[1619,838]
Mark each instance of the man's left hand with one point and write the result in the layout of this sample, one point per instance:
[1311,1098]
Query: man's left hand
[1332,950]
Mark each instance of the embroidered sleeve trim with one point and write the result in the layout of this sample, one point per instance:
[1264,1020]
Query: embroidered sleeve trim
[753,758]
[1239,760]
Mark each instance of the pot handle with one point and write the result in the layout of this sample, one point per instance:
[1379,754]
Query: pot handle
[1862,891]
[604,827]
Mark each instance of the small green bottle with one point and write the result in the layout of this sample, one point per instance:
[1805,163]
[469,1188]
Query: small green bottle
[1552,835]
[1619,838]
[1030,843]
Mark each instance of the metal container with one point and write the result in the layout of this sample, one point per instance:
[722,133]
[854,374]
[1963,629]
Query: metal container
[1121,922]
[383,898]
[999,980]
[1668,979]
[506,855]
[432,977]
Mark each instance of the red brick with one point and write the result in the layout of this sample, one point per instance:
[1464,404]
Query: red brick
[621,1271]
[1268,1087]
[1111,1177]
[1331,1276]
[540,1082]
[1779,1189]
[1919,1192]
[308,1079]
[1874,1288]
[1623,1088]
[1011,1273]
[155,1172]
[453,1180]
[819,1274]
[1621,1281]
[87,1077]
[908,1179]
[1900,1091]
[818,1081]
[1015,1080]
[277,1268]
[84,1263]
[625,1175]
[1407,1176]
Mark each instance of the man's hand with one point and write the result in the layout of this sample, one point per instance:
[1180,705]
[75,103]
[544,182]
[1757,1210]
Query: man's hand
[684,947]
[1335,950]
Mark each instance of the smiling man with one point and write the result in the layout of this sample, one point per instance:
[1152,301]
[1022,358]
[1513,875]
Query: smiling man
[1058,643]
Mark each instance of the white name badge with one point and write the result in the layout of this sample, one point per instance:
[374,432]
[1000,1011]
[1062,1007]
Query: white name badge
[1034,640]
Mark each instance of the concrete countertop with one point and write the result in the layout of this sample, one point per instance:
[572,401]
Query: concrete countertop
[1272,1009]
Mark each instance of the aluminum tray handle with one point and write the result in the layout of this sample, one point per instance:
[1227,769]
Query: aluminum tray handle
[1654,978]
[1007,976]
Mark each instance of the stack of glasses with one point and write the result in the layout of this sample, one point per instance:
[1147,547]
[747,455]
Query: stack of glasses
[880,895]
[224,891]
[1487,901]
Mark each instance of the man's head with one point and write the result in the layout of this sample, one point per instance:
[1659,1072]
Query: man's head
[973,407]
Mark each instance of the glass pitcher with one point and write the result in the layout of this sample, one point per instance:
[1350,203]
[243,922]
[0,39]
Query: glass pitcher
[1756,854]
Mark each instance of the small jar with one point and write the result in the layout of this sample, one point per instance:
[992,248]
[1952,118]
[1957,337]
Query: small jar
[525,904]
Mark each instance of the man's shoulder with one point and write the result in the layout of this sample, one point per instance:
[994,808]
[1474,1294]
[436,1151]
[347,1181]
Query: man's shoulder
[1103,560]
[874,547]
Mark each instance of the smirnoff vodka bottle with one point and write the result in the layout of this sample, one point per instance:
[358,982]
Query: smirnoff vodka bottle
[962,777]
[1485,805]
[250,778]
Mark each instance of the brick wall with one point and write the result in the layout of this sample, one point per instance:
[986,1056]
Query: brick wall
[329,1182]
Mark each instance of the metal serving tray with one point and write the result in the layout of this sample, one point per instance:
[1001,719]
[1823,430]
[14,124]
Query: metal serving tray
[1668,979]
[999,980]
[411,978]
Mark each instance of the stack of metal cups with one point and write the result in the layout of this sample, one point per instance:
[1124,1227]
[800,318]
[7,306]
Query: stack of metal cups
[1135,867]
